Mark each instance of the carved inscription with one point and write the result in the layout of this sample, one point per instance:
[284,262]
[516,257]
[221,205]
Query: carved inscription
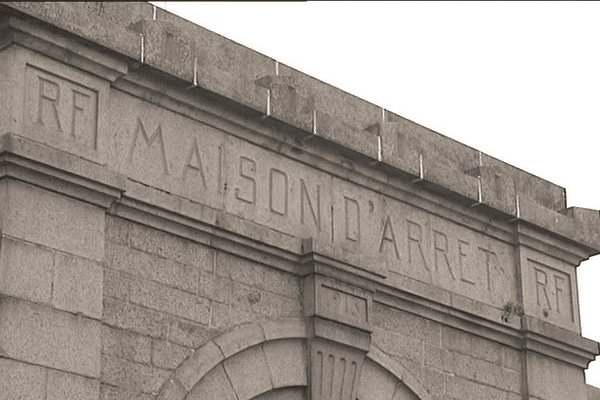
[62,107]
[143,143]
[552,291]
[363,228]
[344,305]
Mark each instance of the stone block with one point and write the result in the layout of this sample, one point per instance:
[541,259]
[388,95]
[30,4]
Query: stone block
[287,362]
[289,393]
[126,345]
[132,376]
[172,390]
[333,101]
[136,319]
[376,382]
[62,385]
[90,22]
[254,274]
[265,303]
[43,336]
[215,288]
[59,222]
[167,355]
[117,230]
[195,367]
[77,285]
[511,359]
[157,297]
[152,267]
[215,385]
[340,132]
[249,373]
[399,321]
[169,48]
[226,316]
[291,198]
[284,328]
[230,69]
[26,271]
[108,392]
[437,359]
[542,192]
[191,334]
[240,338]
[399,345]
[171,247]
[463,389]
[21,381]
[466,343]
[166,150]
[551,379]
[487,373]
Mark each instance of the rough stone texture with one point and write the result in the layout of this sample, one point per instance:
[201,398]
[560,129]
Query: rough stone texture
[287,362]
[167,197]
[63,385]
[132,376]
[26,271]
[21,380]
[126,345]
[39,216]
[77,286]
[215,385]
[249,373]
[42,336]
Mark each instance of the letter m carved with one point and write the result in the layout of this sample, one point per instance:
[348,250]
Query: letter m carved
[157,136]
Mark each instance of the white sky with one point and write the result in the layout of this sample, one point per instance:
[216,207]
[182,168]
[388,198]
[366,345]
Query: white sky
[517,80]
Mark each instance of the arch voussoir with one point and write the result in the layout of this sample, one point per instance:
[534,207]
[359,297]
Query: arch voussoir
[285,363]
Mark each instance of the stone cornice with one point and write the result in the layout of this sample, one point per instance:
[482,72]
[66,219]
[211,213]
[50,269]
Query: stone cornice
[148,36]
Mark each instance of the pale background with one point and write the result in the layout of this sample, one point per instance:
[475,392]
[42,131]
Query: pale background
[517,80]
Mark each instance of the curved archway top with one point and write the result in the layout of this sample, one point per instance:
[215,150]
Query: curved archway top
[245,337]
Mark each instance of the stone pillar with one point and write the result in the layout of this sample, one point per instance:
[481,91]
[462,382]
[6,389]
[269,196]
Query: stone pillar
[555,354]
[338,315]
[54,192]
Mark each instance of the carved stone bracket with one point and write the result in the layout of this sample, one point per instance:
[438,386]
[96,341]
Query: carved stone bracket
[339,320]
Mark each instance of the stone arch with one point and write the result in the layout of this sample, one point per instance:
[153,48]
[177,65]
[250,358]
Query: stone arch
[267,360]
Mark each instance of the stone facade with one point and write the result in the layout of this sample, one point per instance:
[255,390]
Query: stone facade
[184,218]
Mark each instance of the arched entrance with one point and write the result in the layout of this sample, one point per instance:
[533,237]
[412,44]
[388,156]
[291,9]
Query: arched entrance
[270,361]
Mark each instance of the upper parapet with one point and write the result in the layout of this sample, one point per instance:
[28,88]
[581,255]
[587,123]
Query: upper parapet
[256,84]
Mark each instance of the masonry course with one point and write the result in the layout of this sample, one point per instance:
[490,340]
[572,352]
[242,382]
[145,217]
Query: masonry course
[183,217]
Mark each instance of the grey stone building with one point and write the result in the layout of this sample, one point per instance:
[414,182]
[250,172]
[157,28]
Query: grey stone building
[184,218]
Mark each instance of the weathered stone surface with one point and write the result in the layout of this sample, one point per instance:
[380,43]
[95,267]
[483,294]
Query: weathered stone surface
[199,364]
[552,293]
[287,362]
[249,373]
[167,355]
[126,345]
[135,318]
[157,297]
[132,376]
[161,186]
[39,216]
[62,385]
[148,266]
[215,385]
[77,285]
[21,380]
[42,336]
[26,271]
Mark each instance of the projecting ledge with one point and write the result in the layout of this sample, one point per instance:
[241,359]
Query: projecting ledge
[42,166]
